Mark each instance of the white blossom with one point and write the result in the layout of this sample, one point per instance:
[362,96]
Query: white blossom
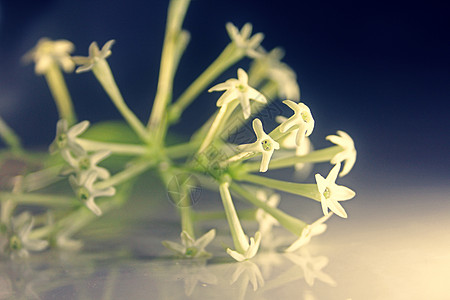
[191,247]
[95,54]
[66,137]
[301,120]
[348,154]
[244,40]
[250,249]
[87,163]
[48,52]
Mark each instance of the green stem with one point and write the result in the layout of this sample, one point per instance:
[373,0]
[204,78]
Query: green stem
[116,148]
[10,137]
[130,172]
[308,190]
[39,199]
[103,73]
[181,150]
[322,155]
[245,214]
[169,60]
[60,93]
[291,223]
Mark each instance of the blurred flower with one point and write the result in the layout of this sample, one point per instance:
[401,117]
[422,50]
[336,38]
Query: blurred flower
[238,89]
[48,52]
[316,228]
[250,250]
[86,192]
[66,137]
[95,54]
[244,40]
[302,119]
[245,273]
[331,193]
[264,144]
[265,220]
[86,163]
[348,154]
[190,247]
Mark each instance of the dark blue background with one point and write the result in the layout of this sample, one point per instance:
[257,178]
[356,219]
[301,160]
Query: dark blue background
[379,70]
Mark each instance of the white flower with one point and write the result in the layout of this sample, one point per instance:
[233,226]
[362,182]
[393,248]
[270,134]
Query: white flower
[86,163]
[247,272]
[244,40]
[48,52]
[19,243]
[264,144]
[348,154]
[302,119]
[190,247]
[331,193]
[95,54]
[250,250]
[316,228]
[86,192]
[238,89]
[66,137]
[265,220]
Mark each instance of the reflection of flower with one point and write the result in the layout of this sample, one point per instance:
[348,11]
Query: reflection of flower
[316,228]
[245,273]
[301,119]
[86,192]
[66,137]
[312,267]
[190,247]
[264,144]
[48,52]
[244,40]
[238,89]
[95,54]
[348,154]
[331,193]
[265,220]
[194,272]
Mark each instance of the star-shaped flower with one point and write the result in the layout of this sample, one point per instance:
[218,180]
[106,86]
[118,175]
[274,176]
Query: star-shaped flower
[238,89]
[302,119]
[18,241]
[244,40]
[265,220]
[250,249]
[316,228]
[348,154]
[47,52]
[95,54]
[264,144]
[66,137]
[190,247]
[86,192]
[331,193]
[86,163]
[245,273]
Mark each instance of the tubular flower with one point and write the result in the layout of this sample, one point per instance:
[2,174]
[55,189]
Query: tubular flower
[66,137]
[331,193]
[264,144]
[238,89]
[316,228]
[348,155]
[244,40]
[249,251]
[86,192]
[190,247]
[302,119]
[87,163]
[95,54]
[47,52]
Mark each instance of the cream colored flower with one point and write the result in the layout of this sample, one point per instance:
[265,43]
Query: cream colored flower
[348,154]
[238,89]
[66,137]
[48,52]
[302,119]
[244,40]
[86,163]
[86,192]
[190,247]
[316,228]
[265,220]
[95,54]
[250,249]
[331,193]
[264,144]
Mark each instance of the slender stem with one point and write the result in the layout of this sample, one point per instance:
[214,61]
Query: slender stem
[169,59]
[308,190]
[316,156]
[181,150]
[103,73]
[291,223]
[130,172]
[60,93]
[10,137]
[245,214]
[116,148]
[39,199]
[239,238]
[42,178]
